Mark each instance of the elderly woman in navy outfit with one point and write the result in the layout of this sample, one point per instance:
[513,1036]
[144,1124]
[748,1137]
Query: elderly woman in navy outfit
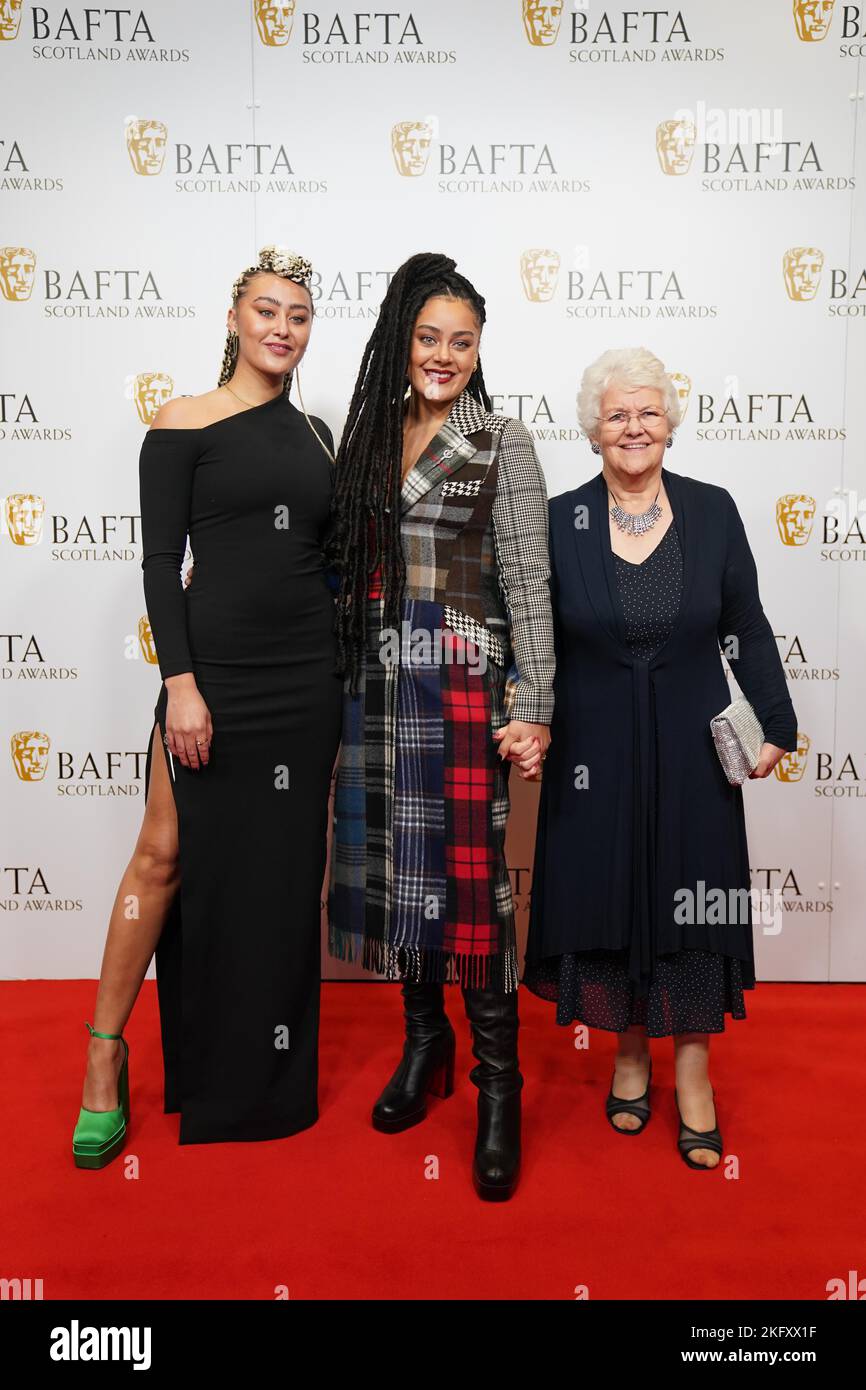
[651,577]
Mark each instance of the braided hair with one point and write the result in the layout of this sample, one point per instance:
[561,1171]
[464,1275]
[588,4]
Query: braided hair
[275,260]
[365,519]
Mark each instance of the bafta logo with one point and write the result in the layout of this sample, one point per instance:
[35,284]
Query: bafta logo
[541,21]
[17,271]
[274,21]
[145,145]
[791,766]
[410,146]
[795,513]
[675,145]
[24,515]
[10,18]
[145,640]
[801,267]
[812,19]
[683,384]
[30,754]
[539,271]
[151,390]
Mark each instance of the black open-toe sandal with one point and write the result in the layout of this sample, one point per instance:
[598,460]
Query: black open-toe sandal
[698,1139]
[640,1107]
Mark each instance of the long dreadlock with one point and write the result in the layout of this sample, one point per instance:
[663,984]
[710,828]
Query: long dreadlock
[365,520]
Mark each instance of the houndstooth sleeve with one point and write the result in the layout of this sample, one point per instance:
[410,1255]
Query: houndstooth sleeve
[520,539]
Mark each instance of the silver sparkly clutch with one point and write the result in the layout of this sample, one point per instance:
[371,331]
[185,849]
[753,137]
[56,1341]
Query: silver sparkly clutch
[738,737]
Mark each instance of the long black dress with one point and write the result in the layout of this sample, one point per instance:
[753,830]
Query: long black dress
[638,678]
[238,963]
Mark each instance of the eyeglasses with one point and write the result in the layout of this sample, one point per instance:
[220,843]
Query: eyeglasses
[650,419]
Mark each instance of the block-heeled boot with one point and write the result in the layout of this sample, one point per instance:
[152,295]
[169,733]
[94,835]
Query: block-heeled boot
[427,1064]
[494,1023]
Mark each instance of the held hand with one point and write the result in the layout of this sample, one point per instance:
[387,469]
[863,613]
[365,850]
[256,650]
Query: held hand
[767,759]
[188,727]
[187,579]
[535,774]
[524,744]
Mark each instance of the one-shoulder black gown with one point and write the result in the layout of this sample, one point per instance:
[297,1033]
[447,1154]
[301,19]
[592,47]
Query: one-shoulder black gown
[238,963]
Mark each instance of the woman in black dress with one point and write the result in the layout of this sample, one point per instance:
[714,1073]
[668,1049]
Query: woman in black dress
[651,573]
[228,870]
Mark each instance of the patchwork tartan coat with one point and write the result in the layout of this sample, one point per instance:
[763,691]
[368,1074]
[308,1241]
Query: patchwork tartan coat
[419,887]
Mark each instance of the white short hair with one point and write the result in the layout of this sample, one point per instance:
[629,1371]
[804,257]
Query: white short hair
[630,369]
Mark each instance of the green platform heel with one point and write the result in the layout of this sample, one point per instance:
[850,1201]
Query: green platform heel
[99,1134]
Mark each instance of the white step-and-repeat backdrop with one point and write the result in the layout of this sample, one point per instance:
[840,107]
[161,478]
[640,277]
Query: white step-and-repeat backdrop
[690,179]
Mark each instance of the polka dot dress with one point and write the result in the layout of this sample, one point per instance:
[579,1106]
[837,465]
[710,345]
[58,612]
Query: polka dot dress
[691,990]
[649,594]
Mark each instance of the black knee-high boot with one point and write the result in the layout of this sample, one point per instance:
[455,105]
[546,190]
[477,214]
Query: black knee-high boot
[494,1022]
[427,1064]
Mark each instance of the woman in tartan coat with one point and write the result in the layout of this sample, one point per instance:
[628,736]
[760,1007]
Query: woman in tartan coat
[440,543]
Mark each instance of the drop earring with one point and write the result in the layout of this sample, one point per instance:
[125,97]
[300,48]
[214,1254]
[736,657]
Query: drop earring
[669,442]
[596,448]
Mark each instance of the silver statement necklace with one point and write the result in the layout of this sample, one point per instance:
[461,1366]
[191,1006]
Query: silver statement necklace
[636,523]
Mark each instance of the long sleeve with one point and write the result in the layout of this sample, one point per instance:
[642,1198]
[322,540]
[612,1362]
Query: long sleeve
[755,660]
[165,472]
[554,582]
[520,530]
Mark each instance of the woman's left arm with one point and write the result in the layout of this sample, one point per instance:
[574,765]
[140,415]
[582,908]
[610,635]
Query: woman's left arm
[521,541]
[747,641]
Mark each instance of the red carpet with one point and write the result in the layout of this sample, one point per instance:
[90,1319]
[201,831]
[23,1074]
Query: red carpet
[343,1212]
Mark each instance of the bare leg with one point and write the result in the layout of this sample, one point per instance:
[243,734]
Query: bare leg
[692,1062]
[631,1071]
[140,908]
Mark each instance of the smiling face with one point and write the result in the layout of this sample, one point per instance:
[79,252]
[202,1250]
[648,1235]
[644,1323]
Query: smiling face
[273,319]
[444,349]
[632,430]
